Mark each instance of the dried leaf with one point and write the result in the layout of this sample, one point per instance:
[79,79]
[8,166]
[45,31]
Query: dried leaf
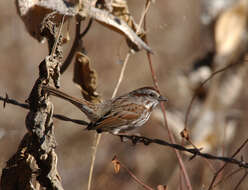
[120,9]
[133,45]
[86,78]
[116,164]
[32,12]
[161,187]
[115,23]
[185,134]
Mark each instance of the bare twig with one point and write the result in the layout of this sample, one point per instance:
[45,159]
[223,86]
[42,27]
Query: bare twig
[98,137]
[86,29]
[228,176]
[76,42]
[132,174]
[195,152]
[58,36]
[171,137]
[241,180]
[224,165]
[200,86]
[121,74]
[73,49]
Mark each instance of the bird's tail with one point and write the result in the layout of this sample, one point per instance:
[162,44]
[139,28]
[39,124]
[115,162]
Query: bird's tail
[83,105]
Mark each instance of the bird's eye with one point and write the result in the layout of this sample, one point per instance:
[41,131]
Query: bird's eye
[152,95]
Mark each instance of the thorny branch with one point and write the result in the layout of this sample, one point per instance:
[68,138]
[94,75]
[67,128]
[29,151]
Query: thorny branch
[195,152]
[26,106]
[146,141]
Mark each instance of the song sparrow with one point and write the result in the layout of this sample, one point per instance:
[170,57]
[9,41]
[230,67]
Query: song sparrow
[119,114]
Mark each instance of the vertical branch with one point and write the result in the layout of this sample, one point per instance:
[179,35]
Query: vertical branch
[171,137]
[35,160]
[98,137]
[121,74]
[93,157]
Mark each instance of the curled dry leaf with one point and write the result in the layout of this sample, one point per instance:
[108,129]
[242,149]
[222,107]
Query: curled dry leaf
[86,78]
[116,164]
[120,9]
[119,20]
[32,12]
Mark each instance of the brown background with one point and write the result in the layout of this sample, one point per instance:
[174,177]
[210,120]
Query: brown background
[176,36]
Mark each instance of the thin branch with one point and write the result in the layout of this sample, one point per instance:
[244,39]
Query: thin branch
[26,106]
[195,152]
[86,29]
[171,137]
[132,174]
[143,16]
[75,44]
[98,137]
[121,74]
[200,86]
[74,47]
[228,176]
[224,165]
[58,36]
[241,180]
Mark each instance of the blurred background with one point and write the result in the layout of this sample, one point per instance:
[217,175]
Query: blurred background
[191,39]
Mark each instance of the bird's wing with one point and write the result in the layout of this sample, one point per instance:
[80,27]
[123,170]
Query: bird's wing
[117,117]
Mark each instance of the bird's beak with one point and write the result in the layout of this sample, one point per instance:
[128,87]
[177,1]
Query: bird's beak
[161,98]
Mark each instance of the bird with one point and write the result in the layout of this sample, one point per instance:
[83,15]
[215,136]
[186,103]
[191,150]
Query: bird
[116,115]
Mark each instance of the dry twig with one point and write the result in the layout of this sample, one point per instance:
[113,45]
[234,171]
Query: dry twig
[171,137]
[241,164]
[241,180]
[98,136]
[117,163]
